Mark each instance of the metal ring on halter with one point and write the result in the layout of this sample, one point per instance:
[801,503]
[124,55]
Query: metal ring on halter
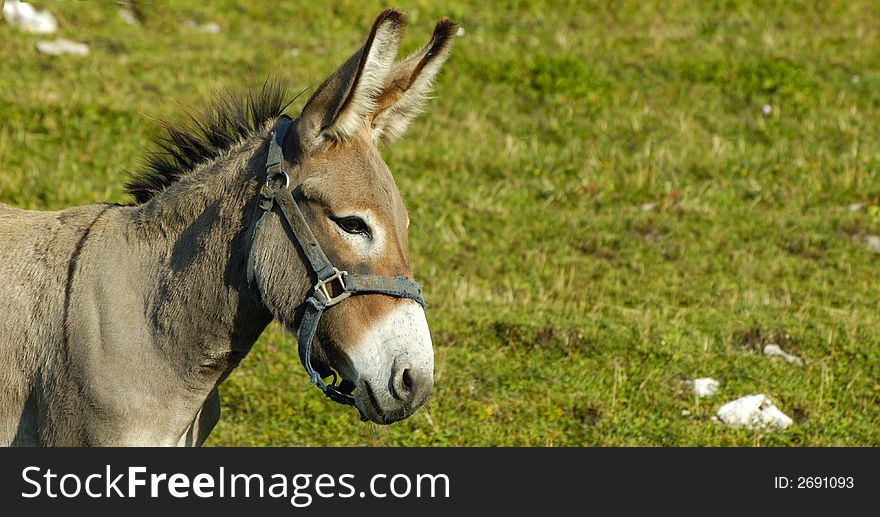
[286,179]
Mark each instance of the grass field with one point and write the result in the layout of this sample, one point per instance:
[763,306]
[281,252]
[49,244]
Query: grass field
[605,202]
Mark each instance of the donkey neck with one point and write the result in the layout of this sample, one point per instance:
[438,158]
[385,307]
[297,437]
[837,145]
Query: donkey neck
[203,312]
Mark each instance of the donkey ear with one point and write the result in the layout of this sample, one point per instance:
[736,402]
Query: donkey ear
[408,85]
[345,100]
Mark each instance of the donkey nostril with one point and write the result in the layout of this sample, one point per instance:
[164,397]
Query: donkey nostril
[411,386]
[407,380]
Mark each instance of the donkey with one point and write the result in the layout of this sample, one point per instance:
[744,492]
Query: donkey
[118,323]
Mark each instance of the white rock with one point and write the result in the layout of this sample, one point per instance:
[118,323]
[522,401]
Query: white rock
[648,207]
[212,28]
[856,207]
[685,412]
[753,412]
[705,386]
[460,31]
[24,16]
[209,28]
[62,46]
[873,243]
[128,16]
[771,350]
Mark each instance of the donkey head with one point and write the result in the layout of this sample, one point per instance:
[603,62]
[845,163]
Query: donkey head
[379,343]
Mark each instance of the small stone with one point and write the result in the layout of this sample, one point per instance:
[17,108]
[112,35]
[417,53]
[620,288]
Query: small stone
[128,16]
[211,28]
[773,350]
[25,17]
[856,207]
[766,109]
[685,412]
[460,32]
[753,412]
[63,46]
[704,386]
[648,207]
[873,243]
[207,28]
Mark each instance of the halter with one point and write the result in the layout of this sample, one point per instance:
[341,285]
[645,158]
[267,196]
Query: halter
[328,277]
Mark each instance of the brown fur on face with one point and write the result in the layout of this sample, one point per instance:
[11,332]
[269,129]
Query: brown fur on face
[367,187]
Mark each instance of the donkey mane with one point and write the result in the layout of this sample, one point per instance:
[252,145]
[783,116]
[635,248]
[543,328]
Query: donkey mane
[203,136]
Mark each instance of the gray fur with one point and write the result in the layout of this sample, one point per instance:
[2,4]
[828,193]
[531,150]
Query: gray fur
[118,323]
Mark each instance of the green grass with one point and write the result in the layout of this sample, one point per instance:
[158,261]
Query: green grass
[562,312]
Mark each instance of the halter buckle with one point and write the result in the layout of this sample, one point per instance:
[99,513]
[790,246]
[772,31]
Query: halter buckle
[322,292]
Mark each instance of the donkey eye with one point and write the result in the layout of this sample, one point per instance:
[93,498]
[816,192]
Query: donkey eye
[353,225]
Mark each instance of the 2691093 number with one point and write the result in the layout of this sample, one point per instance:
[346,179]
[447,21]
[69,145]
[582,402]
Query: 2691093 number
[824,482]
